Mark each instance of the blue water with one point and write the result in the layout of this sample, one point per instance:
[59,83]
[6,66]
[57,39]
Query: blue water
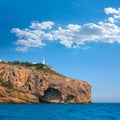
[60,111]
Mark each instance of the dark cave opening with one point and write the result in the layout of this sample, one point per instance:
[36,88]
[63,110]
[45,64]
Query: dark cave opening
[51,95]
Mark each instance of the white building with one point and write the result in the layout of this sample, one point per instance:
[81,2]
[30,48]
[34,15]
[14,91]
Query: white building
[34,63]
[43,61]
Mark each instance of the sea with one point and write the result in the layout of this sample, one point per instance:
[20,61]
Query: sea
[95,111]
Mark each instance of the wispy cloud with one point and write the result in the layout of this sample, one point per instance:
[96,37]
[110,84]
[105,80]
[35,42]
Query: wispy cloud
[70,35]
[114,14]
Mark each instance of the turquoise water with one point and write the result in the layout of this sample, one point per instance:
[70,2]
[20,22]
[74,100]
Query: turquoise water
[60,111]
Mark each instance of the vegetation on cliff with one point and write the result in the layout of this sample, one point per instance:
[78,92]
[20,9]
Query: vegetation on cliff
[37,66]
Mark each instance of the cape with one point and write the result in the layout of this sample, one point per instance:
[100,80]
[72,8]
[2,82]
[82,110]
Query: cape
[37,83]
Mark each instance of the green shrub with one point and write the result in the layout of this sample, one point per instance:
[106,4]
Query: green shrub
[5,85]
[38,66]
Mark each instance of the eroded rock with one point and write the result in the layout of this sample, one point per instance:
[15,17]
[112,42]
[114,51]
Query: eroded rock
[20,84]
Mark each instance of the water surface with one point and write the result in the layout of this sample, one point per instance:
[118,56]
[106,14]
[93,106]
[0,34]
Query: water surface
[60,111]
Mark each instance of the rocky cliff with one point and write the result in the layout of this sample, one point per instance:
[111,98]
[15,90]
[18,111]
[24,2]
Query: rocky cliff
[21,84]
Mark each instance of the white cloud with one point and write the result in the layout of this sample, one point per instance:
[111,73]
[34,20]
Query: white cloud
[111,11]
[22,49]
[42,26]
[74,27]
[111,19]
[115,13]
[71,35]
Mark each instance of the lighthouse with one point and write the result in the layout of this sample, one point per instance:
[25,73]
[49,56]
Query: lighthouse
[43,61]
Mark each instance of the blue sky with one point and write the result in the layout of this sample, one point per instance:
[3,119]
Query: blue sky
[79,38]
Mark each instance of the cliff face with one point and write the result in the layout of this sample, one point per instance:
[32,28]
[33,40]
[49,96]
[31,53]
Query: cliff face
[20,84]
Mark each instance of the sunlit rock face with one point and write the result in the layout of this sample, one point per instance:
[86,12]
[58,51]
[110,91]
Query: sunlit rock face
[19,84]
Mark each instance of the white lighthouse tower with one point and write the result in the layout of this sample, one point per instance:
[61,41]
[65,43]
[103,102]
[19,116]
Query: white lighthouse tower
[43,61]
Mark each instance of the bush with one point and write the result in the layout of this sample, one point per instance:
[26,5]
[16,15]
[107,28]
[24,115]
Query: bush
[5,85]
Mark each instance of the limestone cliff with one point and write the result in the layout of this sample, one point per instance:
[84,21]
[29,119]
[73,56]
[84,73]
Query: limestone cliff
[21,84]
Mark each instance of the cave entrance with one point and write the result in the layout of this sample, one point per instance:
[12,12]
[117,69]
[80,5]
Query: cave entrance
[51,95]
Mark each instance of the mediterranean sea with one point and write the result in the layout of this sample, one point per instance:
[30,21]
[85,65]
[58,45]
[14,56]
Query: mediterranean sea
[95,111]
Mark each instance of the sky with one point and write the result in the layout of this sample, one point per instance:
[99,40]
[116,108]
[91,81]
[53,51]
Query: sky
[79,38]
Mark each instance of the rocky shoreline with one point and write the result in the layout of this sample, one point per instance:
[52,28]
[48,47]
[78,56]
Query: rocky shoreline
[20,84]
